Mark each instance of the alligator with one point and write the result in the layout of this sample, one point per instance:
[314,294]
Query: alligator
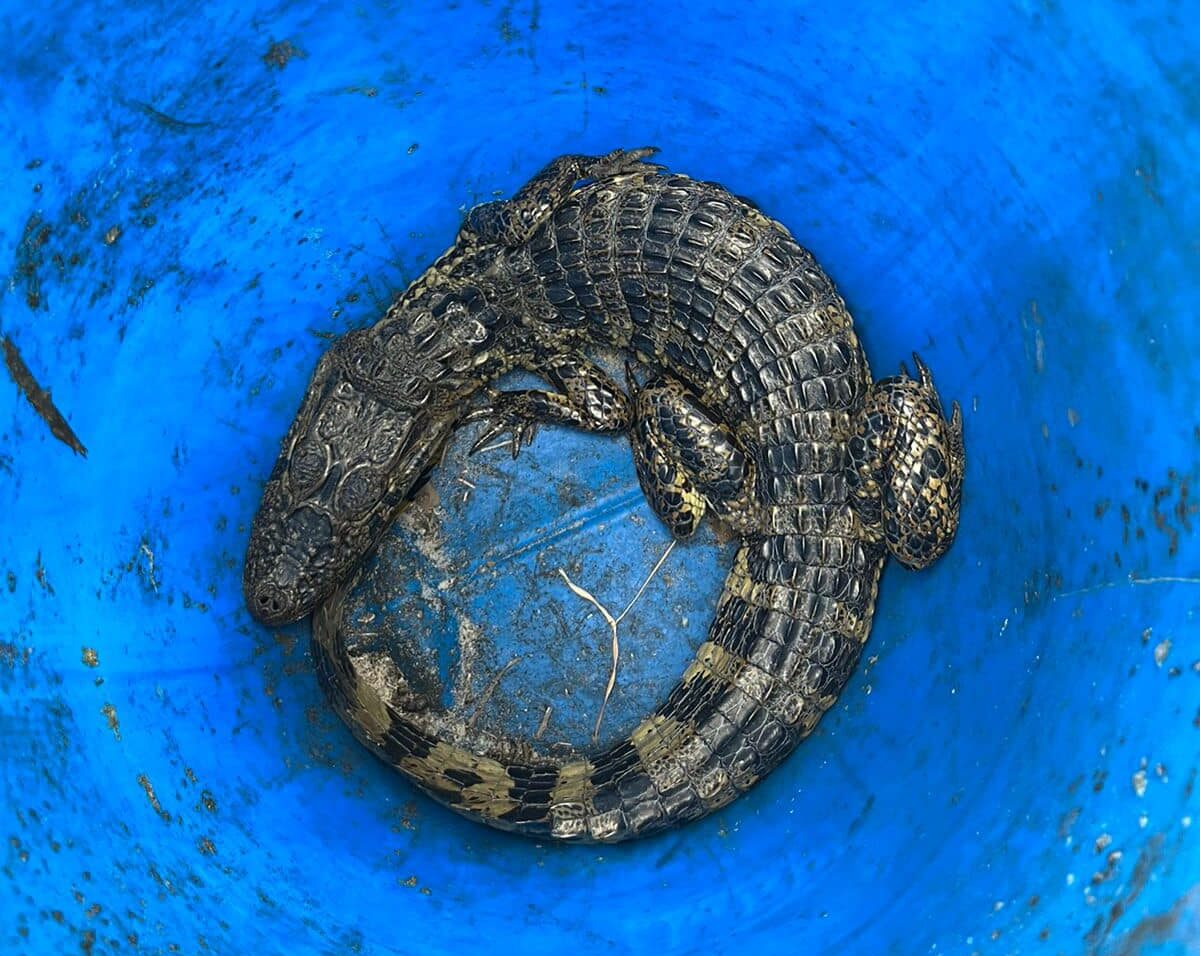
[755,406]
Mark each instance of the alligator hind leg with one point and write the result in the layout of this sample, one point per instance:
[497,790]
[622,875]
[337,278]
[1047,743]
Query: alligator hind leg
[906,467]
[587,398]
[686,462]
[512,221]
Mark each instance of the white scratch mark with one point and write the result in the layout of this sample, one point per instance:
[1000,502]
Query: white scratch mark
[1131,581]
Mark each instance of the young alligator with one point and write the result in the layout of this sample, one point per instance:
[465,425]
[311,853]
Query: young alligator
[760,408]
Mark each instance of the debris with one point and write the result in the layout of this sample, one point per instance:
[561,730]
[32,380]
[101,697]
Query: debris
[543,723]
[40,399]
[281,52]
[488,691]
[612,624]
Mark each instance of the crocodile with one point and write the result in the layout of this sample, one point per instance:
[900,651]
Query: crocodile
[750,401]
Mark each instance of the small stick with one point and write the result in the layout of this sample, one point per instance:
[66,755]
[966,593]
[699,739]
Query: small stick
[469,485]
[612,626]
[39,398]
[488,691]
[649,578]
[543,724]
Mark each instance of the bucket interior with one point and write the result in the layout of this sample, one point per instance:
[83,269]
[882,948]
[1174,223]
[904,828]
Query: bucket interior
[197,200]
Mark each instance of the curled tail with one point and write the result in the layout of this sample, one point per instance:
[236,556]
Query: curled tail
[787,634]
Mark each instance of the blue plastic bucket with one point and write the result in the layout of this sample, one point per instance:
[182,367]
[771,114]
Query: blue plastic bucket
[196,199]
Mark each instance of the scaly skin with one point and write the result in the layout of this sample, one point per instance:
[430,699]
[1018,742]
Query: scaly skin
[761,409]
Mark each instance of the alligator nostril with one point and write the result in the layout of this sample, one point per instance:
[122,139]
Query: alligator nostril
[269,599]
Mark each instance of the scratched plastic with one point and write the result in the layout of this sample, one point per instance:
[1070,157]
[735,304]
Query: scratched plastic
[195,201]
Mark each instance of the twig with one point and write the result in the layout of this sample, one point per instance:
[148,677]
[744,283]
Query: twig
[469,485]
[488,691]
[616,646]
[612,626]
[649,577]
[39,398]
[543,724]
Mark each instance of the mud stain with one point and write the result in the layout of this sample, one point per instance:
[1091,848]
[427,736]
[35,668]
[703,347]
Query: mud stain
[40,399]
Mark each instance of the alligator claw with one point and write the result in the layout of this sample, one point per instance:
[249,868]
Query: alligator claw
[521,429]
[502,416]
[922,371]
[621,161]
[482,412]
[632,385]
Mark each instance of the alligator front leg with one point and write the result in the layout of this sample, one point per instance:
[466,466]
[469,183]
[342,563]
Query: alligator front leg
[587,398]
[511,222]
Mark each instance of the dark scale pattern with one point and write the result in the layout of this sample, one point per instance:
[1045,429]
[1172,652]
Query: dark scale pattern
[759,408]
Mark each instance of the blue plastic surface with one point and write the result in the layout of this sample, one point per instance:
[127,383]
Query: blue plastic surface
[194,198]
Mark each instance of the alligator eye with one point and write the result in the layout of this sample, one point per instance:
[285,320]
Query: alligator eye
[309,465]
[358,492]
[415,392]
[370,365]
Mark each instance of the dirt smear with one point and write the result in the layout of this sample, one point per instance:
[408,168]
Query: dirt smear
[40,399]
